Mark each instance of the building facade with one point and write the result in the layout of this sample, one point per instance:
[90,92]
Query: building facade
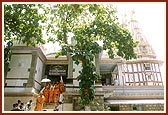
[133,85]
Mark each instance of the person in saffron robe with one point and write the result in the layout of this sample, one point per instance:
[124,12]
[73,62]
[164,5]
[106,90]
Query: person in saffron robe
[57,88]
[62,88]
[46,93]
[54,94]
[51,92]
[56,100]
[40,99]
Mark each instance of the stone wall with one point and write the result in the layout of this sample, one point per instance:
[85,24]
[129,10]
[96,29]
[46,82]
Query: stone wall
[124,107]
[73,99]
[10,100]
[154,107]
[140,107]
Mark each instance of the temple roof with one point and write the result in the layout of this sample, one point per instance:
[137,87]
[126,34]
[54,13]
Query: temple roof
[144,49]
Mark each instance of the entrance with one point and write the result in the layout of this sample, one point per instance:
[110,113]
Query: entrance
[54,72]
[106,79]
[56,78]
[109,78]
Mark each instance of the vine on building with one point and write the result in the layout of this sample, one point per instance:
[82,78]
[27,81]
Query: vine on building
[82,30]
[79,28]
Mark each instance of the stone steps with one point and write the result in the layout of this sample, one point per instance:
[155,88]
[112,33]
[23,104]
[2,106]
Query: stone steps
[47,109]
[48,106]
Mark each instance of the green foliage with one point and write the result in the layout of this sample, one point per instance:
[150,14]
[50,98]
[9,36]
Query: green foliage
[98,106]
[7,56]
[7,53]
[21,22]
[89,23]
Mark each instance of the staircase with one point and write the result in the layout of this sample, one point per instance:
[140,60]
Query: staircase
[48,107]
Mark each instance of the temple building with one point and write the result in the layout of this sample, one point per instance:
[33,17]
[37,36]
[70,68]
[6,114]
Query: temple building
[125,85]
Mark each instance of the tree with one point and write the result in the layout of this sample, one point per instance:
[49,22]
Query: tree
[89,23]
[7,56]
[22,23]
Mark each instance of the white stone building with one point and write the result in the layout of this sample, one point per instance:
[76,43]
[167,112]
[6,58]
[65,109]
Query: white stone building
[133,85]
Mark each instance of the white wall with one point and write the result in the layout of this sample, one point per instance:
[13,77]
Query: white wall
[39,72]
[19,66]
[138,71]
[18,69]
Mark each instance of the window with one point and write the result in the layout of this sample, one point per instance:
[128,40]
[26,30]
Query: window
[150,78]
[147,66]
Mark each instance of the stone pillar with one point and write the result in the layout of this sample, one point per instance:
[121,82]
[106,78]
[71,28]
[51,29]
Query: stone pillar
[69,84]
[43,72]
[98,84]
[68,101]
[120,74]
[70,66]
[32,70]
[76,73]
[97,64]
